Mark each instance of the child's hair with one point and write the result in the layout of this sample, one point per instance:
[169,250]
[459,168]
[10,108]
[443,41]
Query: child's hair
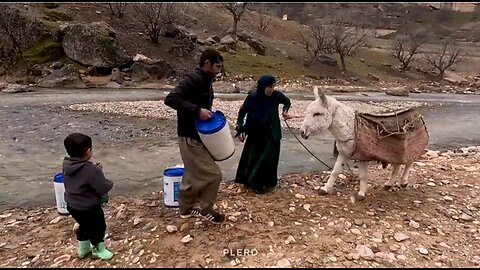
[77,144]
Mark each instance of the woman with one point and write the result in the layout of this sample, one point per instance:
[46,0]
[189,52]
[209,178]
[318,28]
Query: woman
[258,164]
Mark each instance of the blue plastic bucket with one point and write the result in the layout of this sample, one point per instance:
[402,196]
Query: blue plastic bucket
[172,178]
[216,136]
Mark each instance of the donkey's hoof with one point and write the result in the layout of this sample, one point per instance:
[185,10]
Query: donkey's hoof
[403,185]
[359,197]
[322,192]
[387,187]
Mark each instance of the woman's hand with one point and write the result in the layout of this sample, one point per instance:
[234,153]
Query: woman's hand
[286,116]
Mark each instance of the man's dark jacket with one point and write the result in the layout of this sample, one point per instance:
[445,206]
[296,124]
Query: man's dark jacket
[192,93]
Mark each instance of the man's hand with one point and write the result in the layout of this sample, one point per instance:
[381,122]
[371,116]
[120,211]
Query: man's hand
[99,165]
[286,116]
[205,114]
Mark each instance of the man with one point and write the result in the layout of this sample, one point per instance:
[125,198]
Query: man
[193,98]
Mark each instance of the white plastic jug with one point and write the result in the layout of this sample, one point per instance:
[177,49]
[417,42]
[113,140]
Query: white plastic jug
[60,194]
[172,177]
[216,136]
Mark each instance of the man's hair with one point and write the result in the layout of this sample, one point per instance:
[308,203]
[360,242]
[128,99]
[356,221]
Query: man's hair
[77,144]
[212,55]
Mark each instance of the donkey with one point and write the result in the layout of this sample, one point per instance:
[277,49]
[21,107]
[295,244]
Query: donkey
[328,113]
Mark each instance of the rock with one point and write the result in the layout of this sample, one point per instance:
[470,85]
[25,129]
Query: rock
[448,198]
[358,222]
[284,263]
[431,184]
[356,231]
[171,228]
[227,40]
[365,252]
[136,260]
[394,247]
[271,223]
[146,70]
[113,85]
[300,196]
[373,77]
[401,257]
[306,207]
[136,221]
[399,237]
[180,32]
[213,39]
[117,76]
[185,226]
[232,219]
[466,217]
[398,91]
[186,239]
[67,76]
[62,258]
[56,65]
[16,88]
[423,251]
[327,60]
[454,78]
[94,44]
[414,224]
[432,154]
[56,220]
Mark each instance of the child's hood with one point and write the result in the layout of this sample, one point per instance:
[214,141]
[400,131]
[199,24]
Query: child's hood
[72,165]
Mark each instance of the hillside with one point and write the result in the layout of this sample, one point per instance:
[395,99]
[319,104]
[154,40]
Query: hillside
[284,56]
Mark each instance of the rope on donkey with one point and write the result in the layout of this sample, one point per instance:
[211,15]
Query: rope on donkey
[288,126]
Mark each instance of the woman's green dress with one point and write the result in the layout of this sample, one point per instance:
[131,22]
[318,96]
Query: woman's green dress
[258,164]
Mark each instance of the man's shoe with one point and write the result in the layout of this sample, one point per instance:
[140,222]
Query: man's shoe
[193,212]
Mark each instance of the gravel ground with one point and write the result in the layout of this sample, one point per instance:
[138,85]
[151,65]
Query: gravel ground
[434,222]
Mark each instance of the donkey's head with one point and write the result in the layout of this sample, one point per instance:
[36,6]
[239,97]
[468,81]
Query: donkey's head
[318,118]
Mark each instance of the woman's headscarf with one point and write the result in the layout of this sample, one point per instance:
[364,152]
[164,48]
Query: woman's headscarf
[258,104]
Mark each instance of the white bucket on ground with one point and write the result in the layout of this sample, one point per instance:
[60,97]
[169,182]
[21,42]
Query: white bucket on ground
[216,136]
[172,177]
[60,194]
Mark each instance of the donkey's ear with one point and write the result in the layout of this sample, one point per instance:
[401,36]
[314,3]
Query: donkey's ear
[321,94]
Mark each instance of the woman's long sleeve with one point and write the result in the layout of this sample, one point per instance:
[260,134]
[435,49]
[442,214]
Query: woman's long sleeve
[284,100]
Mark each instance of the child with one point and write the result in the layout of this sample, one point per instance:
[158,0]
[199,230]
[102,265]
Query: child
[86,189]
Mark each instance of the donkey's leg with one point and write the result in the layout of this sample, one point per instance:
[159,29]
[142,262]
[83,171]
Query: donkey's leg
[391,181]
[337,169]
[362,174]
[406,173]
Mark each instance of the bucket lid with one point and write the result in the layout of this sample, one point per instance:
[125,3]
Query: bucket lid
[212,125]
[173,172]
[58,178]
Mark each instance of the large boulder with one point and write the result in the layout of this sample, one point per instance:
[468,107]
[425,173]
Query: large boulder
[67,76]
[14,88]
[255,44]
[180,32]
[150,69]
[227,40]
[327,61]
[94,44]
[398,91]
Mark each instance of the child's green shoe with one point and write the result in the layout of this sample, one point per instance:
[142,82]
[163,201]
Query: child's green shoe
[84,248]
[101,252]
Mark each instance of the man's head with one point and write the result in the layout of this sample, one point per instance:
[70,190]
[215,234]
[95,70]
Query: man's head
[211,61]
[79,146]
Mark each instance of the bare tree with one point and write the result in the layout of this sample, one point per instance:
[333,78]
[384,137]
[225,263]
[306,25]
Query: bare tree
[236,10]
[404,50]
[345,41]
[445,58]
[156,16]
[263,22]
[117,9]
[317,42]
